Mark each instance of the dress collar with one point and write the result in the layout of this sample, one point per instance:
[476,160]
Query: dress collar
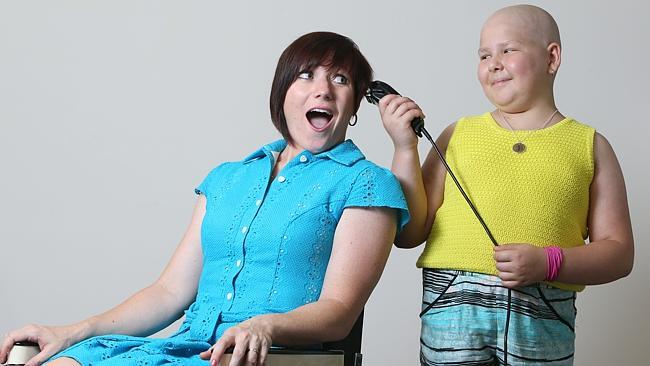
[346,153]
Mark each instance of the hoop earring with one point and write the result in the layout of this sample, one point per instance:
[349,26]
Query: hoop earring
[355,121]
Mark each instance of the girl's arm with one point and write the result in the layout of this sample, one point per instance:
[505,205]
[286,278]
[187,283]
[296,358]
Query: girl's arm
[423,187]
[610,253]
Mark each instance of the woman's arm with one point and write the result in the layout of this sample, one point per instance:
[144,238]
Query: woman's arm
[362,243]
[144,313]
[155,307]
[610,253]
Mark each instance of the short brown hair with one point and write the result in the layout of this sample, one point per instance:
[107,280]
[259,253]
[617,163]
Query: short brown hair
[311,50]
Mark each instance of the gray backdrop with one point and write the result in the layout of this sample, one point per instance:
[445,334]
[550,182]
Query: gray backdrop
[111,112]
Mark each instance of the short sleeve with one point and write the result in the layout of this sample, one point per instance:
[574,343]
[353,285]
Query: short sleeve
[378,187]
[205,186]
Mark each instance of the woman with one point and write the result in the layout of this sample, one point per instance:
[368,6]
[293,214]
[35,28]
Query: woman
[284,247]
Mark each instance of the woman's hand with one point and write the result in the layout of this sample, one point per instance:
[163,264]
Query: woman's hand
[396,114]
[251,341]
[520,264]
[49,339]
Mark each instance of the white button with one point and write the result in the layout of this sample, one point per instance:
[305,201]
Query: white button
[244,229]
[258,202]
[229,296]
[238,263]
[303,158]
[281,179]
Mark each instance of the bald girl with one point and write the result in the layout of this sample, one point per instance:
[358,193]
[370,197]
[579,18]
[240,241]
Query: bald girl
[542,181]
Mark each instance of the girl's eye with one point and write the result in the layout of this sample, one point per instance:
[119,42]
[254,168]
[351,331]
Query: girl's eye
[509,50]
[340,79]
[305,75]
[483,57]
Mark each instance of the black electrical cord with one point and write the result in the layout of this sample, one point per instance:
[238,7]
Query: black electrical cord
[377,90]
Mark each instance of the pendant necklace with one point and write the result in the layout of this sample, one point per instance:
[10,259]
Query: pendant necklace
[519,147]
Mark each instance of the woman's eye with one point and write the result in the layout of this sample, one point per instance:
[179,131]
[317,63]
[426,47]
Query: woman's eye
[340,79]
[305,75]
[483,57]
[508,50]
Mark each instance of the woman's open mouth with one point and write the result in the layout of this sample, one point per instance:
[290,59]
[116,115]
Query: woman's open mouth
[319,118]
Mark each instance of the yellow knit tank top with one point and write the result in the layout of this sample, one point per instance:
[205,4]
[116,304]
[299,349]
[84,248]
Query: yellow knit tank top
[540,196]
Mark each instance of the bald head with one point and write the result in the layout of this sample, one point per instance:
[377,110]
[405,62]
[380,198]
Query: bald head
[534,23]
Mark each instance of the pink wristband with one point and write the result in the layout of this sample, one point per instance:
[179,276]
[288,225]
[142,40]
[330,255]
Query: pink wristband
[553,261]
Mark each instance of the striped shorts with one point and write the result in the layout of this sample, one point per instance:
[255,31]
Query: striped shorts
[464,318]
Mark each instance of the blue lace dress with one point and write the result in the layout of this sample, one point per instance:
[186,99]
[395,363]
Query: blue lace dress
[266,245]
